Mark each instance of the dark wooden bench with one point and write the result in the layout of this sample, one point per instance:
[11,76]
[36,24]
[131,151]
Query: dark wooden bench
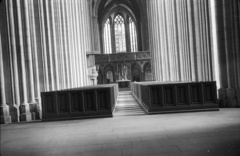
[165,97]
[83,102]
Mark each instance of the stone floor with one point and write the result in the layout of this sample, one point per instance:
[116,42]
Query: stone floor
[214,133]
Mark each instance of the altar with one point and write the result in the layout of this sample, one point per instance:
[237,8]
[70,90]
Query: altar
[124,84]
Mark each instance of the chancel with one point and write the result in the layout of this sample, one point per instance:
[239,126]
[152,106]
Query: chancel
[106,66]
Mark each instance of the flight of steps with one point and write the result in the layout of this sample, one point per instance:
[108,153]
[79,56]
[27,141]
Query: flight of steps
[127,105]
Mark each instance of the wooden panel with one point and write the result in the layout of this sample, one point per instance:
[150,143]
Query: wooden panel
[89,100]
[208,92]
[169,95]
[103,99]
[79,102]
[196,93]
[182,95]
[176,96]
[156,95]
[63,102]
[76,101]
[49,103]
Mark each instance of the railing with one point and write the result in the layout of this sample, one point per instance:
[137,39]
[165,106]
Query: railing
[173,96]
[90,101]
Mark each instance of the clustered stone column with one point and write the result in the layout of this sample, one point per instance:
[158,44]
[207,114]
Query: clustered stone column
[43,45]
[4,109]
[228,26]
[180,40]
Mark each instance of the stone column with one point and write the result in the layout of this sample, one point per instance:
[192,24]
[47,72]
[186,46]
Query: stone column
[14,62]
[4,109]
[53,26]
[66,43]
[80,39]
[48,28]
[157,45]
[183,51]
[69,43]
[112,35]
[43,44]
[24,107]
[28,59]
[64,50]
[192,40]
[88,39]
[227,54]
[127,35]
[166,39]
[95,34]
[150,39]
[74,50]
[35,60]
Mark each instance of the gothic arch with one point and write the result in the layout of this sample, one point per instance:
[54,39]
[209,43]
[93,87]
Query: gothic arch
[107,68]
[136,9]
[136,72]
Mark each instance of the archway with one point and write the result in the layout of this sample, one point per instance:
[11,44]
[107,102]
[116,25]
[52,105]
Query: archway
[135,16]
[147,71]
[136,73]
[108,76]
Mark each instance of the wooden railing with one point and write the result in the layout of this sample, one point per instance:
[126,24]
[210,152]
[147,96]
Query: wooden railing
[156,97]
[84,102]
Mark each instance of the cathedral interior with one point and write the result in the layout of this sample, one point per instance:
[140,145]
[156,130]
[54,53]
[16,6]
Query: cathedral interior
[62,59]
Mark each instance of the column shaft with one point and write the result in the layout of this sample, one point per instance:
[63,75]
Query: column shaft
[14,62]
[24,107]
[4,109]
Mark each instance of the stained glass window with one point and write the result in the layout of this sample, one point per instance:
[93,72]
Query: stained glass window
[133,35]
[120,36]
[120,39]
[107,38]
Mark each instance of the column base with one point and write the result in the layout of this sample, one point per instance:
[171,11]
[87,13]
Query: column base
[238,97]
[5,117]
[14,112]
[26,117]
[35,111]
[25,112]
[231,97]
[39,108]
[222,97]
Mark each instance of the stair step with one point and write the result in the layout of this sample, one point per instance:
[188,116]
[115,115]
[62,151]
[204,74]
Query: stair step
[127,105]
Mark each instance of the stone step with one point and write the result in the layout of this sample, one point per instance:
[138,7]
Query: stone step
[127,105]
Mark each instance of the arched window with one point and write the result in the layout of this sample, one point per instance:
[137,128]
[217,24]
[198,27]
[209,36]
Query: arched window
[120,38]
[133,34]
[107,37]
[122,33]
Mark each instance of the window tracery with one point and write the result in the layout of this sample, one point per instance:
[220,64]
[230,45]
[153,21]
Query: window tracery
[120,38]
[120,34]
